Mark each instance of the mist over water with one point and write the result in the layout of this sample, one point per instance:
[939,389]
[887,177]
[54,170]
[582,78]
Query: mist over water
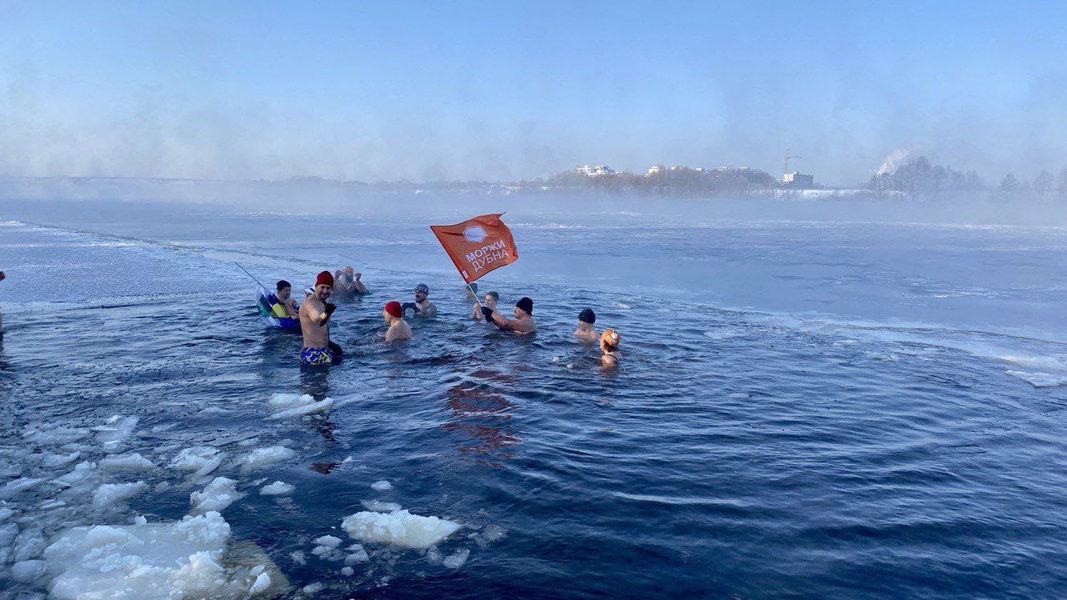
[817,399]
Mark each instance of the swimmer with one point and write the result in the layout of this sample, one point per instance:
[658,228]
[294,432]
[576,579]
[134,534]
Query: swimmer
[490,302]
[347,283]
[282,305]
[522,324]
[421,307]
[472,291]
[586,332]
[315,325]
[394,317]
[609,345]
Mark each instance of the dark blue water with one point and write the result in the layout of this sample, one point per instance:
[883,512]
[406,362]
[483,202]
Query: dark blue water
[804,410]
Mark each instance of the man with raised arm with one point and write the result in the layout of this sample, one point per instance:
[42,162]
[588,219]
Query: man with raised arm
[522,324]
[315,325]
[347,283]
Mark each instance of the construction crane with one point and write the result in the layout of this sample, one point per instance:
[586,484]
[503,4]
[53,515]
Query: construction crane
[787,157]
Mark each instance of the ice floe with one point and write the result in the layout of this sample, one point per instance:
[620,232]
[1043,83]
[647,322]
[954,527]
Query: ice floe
[198,460]
[288,406]
[110,493]
[400,528]
[126,462]
[113,434]
[381,486]
[186,559]
[217,496]
[379,506]
[266,456]
[278,488]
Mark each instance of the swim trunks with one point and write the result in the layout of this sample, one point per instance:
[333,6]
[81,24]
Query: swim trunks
[316,357]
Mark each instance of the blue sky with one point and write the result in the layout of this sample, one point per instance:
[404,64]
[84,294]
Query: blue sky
[484,90]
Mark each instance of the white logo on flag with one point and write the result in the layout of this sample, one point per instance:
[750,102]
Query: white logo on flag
[474,234]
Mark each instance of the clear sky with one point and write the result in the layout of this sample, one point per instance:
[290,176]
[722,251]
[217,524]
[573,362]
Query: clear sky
[507,90]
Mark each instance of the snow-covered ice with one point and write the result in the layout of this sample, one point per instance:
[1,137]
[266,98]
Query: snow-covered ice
[379,506]
[110,493]
[400,528]
[288,406]
[198,460]
[278,488]
[266,456]
[217,496]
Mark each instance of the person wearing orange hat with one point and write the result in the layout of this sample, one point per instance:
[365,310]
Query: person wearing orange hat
[609,345]
[394,317]
[315,314]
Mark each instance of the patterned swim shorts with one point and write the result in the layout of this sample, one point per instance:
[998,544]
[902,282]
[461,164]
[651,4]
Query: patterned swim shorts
[316,357]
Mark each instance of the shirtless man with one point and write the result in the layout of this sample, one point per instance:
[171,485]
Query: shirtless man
[609,345]
[490,302]
[421,307]
[586,332]
[394,317]
[347,283]
[522,324]
[282,304]
[315,325]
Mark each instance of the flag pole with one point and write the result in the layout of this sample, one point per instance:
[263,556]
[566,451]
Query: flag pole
[249,274]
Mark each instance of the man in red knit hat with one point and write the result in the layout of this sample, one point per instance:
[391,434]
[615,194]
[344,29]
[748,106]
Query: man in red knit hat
[315,314]
[393,314]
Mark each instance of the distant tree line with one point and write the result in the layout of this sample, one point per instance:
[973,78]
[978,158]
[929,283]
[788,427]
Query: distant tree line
[921,178]
[675,181]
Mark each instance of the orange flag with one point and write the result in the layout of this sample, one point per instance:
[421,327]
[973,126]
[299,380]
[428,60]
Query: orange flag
[477,245]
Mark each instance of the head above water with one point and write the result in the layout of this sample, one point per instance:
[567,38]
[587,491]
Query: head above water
[587,316]
[394,309]
[495,296]
[610,338]
[282,284]
[324,278]
[525,305]
[422,288]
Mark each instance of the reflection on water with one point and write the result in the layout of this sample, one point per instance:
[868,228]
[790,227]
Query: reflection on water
[484,416]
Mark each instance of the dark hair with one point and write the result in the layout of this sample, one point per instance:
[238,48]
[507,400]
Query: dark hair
[494,295]
[282,284]
[587,316]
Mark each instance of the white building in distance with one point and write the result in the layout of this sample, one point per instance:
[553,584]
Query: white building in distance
[595,170]
[798,180]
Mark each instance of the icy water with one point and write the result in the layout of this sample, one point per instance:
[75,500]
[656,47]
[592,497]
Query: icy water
[805,409]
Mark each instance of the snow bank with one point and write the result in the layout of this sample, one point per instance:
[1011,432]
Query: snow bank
[400,528]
